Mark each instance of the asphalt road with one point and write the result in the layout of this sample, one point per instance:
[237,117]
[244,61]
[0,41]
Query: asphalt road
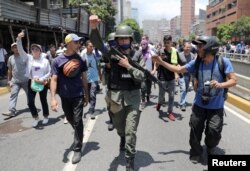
[161,144]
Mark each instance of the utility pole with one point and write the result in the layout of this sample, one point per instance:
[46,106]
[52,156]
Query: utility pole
[121,6]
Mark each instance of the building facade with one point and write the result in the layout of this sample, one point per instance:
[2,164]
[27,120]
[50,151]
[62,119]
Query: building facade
[175,27]
[225,12]
[187,16]
[45,22]
[135,14]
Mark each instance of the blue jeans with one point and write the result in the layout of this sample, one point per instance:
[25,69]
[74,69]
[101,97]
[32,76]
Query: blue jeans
[2,68]
[184,84]
[92,87]
[170,86]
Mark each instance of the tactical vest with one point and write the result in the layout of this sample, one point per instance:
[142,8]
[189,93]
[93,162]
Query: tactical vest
[120,78]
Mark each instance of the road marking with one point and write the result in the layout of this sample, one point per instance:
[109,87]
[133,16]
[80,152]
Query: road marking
[238,115]
[87,132]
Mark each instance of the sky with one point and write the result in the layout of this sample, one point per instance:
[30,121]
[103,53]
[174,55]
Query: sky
[158,9]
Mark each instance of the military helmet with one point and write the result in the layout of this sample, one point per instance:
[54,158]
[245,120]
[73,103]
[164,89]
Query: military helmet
[124,31]
[111,36]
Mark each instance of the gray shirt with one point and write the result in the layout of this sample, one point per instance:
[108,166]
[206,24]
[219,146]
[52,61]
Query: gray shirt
[18,66]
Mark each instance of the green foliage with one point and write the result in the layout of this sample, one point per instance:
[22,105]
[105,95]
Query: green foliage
[242,27]
[191,36]
[224,32]
[135,26]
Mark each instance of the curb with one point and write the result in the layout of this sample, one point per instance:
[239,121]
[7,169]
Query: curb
[4,90]
[239,102]
[232,99]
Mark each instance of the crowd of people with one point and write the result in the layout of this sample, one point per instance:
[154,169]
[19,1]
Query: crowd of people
[74,73]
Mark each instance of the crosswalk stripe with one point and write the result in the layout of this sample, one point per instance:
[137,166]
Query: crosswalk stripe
[87,132]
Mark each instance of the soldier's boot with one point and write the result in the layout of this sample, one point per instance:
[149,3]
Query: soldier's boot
[129,164]
[122,144]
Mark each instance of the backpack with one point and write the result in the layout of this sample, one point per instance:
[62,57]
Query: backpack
[228,47]
[221,69]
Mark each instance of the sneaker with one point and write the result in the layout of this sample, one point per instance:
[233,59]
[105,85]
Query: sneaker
[195,159]
[143,105]
[111,127]
[10,114]
[215,151]
[45,121]
[65,121]
[158,106]
[171,116]
[183,108]
[76,157]
[92,116]
[35,123]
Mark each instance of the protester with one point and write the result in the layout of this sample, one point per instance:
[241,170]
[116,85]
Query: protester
[69,77]
[38,71]
[208,107]
[92,76]
[16,78]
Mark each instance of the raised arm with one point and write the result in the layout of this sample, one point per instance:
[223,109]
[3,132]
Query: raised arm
[95,36]
[21,51]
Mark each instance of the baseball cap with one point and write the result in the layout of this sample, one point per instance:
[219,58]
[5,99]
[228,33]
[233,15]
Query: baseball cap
[36,45]
[71,37]
[13,44]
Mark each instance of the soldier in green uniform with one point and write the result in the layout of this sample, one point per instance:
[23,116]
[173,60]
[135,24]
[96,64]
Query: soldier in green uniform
[123,88]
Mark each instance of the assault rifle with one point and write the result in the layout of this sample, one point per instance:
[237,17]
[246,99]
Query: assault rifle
[115,51]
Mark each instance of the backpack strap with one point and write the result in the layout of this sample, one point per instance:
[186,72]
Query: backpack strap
[196,67]
[224,76]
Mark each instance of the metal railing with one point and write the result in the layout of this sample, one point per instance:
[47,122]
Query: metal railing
[237,56]
[242,87]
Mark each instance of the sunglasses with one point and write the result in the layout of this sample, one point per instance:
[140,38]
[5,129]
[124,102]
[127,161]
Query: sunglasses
[35,49]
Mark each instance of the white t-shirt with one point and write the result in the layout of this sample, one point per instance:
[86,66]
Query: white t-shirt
[148,61]
[2,54]
[38,68]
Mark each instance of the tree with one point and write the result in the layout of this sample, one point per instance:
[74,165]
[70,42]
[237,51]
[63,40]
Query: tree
[134,25]
[242,27]
[224,32]
[191,36]
[104,9]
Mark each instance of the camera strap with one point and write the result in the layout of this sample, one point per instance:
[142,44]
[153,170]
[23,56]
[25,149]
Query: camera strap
[202,77]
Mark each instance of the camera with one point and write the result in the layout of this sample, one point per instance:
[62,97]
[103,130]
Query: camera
[205,99]
[207,83]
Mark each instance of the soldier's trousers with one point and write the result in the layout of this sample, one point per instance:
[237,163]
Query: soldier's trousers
[126,122]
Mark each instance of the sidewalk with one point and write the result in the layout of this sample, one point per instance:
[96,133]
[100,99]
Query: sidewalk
[3,86]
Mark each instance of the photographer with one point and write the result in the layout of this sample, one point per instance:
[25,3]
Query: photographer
[209,99]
